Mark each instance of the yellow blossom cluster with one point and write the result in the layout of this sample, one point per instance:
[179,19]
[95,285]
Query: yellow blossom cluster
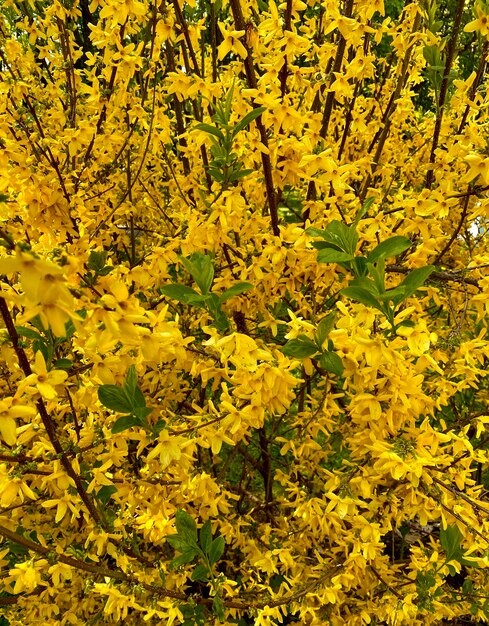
[244,278]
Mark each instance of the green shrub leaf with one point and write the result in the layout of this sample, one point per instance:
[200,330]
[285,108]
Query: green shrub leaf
[114,398]
[300,348]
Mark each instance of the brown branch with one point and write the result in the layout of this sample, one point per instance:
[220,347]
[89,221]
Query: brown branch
[102,116]
[455,233]
[184,28]
[452,43]
[473,504]
[458,276]
[480,73]
[379,577]
[284,70]
[330,98]
[381,135]
[84,566]
[45,417]
[253,84]
[69,69]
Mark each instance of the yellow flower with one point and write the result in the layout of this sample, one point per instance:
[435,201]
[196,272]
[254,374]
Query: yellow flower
[43,380]
[481,24]
[120,11]
[13,489]
[169,449]
[31,271]
[9,410]
[231,42]
[59,572]
[63,504]
[27,575]
[239,349]
[478,166]
[418,338]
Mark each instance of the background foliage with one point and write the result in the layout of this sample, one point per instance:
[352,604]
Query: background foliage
[244,295]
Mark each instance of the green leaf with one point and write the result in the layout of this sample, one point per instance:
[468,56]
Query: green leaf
[395,295]
[359,294]
[345,237]
[177,542]
[235,290]
[216,174]
[450,539]
[131,381]
[363,210]
[408,323]
[210,130]
[105,270]
[104,493]
[247,119]
[216,549]
[200,573]
[96,260]
[186,526]
[201,268]
[158,427]
[123,423]
[330,255]
[187,556]
[41,346]
[114,398]
[359,266]
[182,293]
[300,348]
[389,248]
[37,323]
[321,245]
[323,329]
[377,272]
[62,364]
[138,399]
[229,102]
[142,412]
[198,299]
[28,333]
[239,174]
[205,536]
[365,282]
[415,279]
[221,322]
[331,362]
[316,232]
[218,608]
[485,608]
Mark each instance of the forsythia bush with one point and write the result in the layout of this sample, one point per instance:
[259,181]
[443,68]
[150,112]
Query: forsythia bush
[244,301]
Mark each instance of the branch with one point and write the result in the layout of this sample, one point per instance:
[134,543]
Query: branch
[253,84]
[455,276]
[45,417]
[444,89]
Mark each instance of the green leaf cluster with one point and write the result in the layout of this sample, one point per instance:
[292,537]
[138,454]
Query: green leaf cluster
[96,266]
[368,287]
[201,268]
[128,399]
[302,347]
[451,540]
[199,547]
[225,167]
[48,344]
